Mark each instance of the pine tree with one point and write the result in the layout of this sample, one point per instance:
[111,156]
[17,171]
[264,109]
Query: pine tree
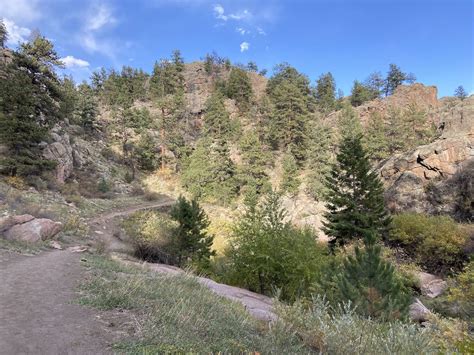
[87,107]
[216,118]
[254,161]
[190,239]
[290,181]
[325,93]
[289,118]
[349,122]
[371,284]
[239,88]
[460,93]
[376,139]
[355,196]
[360,94]
[395,77]
[320,157]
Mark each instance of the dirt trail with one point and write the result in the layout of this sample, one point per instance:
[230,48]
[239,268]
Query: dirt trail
[37,313]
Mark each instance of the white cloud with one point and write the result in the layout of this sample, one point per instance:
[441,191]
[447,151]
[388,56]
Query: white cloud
[72,62]
[244,46]
[242,31]
[219,13]
[260,31]
[20,10]
[16,34]
[100,16]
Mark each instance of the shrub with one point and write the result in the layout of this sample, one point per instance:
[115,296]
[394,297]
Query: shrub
[103,186]
[267,253]
[339,330]
[435,242]
[462,293]
[151,234]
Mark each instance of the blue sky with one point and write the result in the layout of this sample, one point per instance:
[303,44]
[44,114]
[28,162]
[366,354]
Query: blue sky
[431,38]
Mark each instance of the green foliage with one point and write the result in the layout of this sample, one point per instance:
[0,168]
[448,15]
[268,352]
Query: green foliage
[462,293]
[191,242]
[239,88]
[217,123]
[376,140]
[151,234]
[349,122]
[371,285]
[290,181]
[361,93]
[209,173]
[460,93]
[340,330]
[103,186]
[86,107]
[319,157]
[435,242]
[395,77]
[30,105]
[254,161]
[355,196]
[325,93]
[167,77]
[286,73]
[267,253]
[289,118]
[146,150]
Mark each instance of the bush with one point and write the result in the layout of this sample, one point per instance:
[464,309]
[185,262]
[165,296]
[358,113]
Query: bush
[151,234]
[268,254]
[435,242]
[340,330]
[462,293]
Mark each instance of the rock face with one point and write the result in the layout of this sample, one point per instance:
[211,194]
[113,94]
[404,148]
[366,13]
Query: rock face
[430,285]
[27,228]
[437,177]
[418,312]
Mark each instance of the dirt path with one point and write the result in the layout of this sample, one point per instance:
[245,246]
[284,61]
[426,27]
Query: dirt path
[37,313]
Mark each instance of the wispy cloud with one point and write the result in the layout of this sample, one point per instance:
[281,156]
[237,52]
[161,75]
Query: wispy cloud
[16,34]
[242,31]
[72,62]
[220,14]
[97,20]
[99,16]
[244,46]
[20,11]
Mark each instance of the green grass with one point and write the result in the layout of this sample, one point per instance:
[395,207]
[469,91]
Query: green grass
[178,315]
[22,247]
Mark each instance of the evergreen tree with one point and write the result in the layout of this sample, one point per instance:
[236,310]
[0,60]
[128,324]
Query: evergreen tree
[325,93]
[290,181]
[87,107]
[360,94]
[371,284]
[320,144]
[349,122]
[289,118]
[216,118]
[355,200]
[31,104]
[146,152]
[239,88]
[395,77]
[3,34]
[254,162]
[190,239]
[375,83]
[286,73]
[460,93]
[376,140]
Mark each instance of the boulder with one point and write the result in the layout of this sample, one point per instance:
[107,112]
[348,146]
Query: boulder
[61,152]
[430,285]
[9,221]
[33,230]
[418,312]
